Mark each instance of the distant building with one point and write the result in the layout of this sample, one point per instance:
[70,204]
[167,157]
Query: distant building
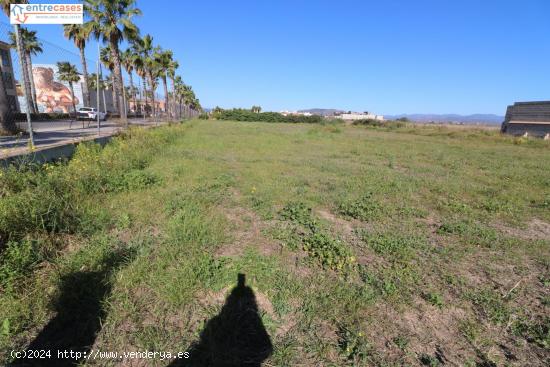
[532,118]
[296,113]
[352,116]
[8,75]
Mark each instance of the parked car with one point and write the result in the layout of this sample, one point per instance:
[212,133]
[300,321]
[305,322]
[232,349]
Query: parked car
[90,113]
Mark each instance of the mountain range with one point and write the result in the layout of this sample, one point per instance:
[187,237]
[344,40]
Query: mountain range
[424,117]
[454,118]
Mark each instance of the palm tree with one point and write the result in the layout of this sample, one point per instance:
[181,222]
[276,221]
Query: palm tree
[68,73]
[79,34]
[164,61]
[139,66]
[178,94]
[92,84]
[21,53]
[24,71]
[31,46]
[145,49]
[128,59]
[174,65]
[105,56]
[111,21]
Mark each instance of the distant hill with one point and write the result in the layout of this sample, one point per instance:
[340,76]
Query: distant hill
[465,119]
[323,111]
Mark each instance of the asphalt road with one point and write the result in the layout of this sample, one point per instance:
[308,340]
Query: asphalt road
[60,131]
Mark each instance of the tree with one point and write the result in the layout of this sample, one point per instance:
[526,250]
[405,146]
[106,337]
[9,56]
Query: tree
[92,84]
[128,59]
[145,49]
[256,109]
[79,34]
[105,56]
[31,46]
[111,22]
[68,73]
[20,52]
[163,60]
[174,65]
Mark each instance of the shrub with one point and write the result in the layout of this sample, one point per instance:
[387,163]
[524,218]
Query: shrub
[37,200]
[239,114]
[369,122]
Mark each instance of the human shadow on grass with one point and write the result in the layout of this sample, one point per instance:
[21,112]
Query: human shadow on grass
[234,337]
[80,313]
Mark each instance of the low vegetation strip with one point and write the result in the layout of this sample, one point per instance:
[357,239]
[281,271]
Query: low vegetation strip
[352,245]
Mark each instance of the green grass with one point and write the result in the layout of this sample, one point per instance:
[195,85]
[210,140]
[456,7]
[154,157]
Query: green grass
[364,245]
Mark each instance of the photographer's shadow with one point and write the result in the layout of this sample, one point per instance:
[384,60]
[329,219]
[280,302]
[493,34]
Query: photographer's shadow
[80,308]
[235,337]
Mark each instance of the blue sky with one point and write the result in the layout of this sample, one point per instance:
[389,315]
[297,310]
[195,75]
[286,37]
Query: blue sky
[391,56]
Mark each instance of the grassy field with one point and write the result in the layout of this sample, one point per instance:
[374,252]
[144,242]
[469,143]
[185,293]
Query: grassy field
[359,246]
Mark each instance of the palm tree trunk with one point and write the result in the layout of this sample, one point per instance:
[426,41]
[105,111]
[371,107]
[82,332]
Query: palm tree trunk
[119,85]
[166,97]
[145,96]
[85,91]
[28,60]
[133,94]
[24,70]
[152,92]
[104,100]
[6,116]
[72,97]
[174,108]
[113,92]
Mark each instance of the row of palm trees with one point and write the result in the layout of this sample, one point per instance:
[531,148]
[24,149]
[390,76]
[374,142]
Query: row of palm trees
[111,22]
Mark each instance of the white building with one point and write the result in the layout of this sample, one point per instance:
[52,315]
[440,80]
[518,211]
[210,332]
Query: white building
[297,113]
[360,116]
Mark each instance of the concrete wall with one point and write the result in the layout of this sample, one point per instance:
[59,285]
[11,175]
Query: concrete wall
[50,154]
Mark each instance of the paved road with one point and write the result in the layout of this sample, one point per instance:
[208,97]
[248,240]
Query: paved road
[58,132]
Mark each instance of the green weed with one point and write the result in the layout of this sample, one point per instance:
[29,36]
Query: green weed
[364,209]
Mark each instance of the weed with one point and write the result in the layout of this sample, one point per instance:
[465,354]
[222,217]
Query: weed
[401,341]
[434,298]
[316,241]
[428,360]
[471,233]
[364,209]
[534,331]
[395,248]
[18,260]
[297,212]
[353,344]
[491,305]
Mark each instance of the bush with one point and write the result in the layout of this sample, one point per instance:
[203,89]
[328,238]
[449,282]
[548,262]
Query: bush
[204,116]
[40,201]
[369,122]
[239,114]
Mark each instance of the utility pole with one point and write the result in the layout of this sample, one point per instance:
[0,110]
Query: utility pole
[97,91]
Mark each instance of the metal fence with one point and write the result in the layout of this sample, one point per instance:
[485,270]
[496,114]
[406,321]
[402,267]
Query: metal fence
[49,97]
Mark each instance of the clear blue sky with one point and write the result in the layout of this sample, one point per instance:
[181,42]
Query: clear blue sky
[391,56]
